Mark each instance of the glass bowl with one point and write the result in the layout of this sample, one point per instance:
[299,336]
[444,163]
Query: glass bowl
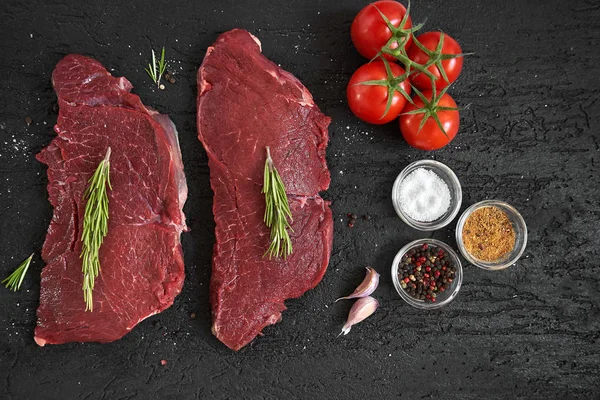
[442,298]
[448,177]
[519,227]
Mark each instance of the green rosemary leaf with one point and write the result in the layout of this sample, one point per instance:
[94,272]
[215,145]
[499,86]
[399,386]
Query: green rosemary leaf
[162,66]
[14,280]
[277,211]
[95,227]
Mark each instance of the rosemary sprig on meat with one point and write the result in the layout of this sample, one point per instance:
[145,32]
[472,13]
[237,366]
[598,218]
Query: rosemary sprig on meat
[157,69]
[277,211]
[14,280]
[95,226]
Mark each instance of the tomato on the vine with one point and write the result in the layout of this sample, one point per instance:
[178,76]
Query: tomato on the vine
[440,116]
[447,60]
[377,92]
[370,32]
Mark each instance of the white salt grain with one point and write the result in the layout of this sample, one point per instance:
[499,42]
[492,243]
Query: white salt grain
[423,195]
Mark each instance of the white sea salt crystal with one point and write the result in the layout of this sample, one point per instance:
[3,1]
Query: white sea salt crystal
[423,195]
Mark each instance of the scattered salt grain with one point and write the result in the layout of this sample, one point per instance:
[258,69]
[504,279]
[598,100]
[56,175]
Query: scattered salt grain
[423,195]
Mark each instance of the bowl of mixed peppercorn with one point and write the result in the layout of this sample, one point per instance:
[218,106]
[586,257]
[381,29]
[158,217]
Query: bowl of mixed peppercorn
[427,273]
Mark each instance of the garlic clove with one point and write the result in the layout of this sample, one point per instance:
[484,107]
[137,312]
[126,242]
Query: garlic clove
[368,286]
[361,310]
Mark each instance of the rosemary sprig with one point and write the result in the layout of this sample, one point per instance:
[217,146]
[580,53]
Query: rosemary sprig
[157,69]
[95,226]
[277,211]
[14,280]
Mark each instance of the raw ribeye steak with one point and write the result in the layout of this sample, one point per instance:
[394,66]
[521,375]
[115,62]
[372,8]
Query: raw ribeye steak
[245,103]
[141,258]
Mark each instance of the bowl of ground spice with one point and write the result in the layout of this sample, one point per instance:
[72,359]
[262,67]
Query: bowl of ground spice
[491,235]
[427,195]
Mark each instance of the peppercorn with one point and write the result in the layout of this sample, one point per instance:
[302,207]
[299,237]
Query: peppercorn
[425,272]
[366,217]
[28,120]
[352,220]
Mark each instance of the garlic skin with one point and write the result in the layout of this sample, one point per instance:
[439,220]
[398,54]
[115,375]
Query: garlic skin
[368,286]
[361,310]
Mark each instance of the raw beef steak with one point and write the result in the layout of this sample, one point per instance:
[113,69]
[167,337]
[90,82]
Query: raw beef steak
[245,103]
[141,258]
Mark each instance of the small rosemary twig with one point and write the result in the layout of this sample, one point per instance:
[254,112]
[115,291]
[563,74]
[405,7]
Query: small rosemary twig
[157,69]
[14,280]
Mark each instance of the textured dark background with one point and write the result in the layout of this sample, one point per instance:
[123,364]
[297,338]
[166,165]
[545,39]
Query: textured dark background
[528,136]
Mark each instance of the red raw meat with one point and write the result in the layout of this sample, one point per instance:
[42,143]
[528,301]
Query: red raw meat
[141,258]
[245,103]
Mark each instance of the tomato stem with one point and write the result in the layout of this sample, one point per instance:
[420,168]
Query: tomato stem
[393,84]
[396,45]
[436,57]
[431,107]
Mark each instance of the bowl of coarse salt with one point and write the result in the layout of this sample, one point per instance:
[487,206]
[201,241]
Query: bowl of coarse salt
[427,195]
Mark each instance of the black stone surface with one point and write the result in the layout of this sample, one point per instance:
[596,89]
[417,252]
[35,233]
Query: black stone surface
[529,135]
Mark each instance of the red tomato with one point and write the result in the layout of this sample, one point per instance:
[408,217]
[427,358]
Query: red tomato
[368,102]
[370,32]
[452,66]
[430,136]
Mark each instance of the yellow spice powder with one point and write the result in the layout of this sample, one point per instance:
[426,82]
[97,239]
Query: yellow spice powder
[488,234]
